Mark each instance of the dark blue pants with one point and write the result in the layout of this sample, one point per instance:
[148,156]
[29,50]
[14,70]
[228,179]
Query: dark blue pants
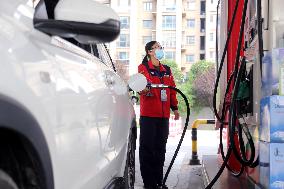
[153,139]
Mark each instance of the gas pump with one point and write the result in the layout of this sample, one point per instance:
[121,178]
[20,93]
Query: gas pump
[253,72]
[237,98]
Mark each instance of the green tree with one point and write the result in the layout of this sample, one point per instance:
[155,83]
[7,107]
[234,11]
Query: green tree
[198,88]
[175,70]
[200,84]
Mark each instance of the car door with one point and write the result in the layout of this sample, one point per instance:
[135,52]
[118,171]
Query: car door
[83,156]
[122,109]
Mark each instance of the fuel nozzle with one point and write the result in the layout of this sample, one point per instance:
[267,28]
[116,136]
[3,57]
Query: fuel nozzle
[150,86]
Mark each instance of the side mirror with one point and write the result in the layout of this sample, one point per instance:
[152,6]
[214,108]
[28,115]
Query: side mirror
[137,82]
[87,21]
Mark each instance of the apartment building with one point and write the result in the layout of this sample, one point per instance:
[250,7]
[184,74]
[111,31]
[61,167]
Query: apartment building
[185,28]
[211,16]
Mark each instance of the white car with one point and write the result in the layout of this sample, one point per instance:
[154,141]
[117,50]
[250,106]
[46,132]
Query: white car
[66,118]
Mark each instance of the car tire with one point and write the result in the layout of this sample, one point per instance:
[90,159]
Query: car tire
[6,182]
[129,173]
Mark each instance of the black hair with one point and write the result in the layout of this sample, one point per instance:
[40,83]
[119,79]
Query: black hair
[148,47]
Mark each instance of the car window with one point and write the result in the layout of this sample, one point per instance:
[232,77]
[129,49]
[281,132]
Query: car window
[86,51]
[97,50]
[104,56]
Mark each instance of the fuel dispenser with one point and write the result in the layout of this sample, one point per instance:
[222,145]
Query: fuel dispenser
[237,103]
[250,80]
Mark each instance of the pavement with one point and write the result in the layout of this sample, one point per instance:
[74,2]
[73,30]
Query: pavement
[183,175]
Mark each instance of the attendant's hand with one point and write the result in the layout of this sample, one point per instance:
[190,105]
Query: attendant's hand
[145,90]
[176,114]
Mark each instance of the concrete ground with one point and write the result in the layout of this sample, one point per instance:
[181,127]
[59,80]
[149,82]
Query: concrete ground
[182,175]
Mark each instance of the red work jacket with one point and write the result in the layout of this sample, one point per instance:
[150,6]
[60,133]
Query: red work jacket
[151,104]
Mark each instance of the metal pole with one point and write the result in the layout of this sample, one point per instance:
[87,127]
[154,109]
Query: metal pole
[194,156]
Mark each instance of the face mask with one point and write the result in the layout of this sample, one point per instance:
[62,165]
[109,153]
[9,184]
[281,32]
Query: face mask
[159,53]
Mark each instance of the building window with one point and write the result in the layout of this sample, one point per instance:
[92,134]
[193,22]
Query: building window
[202,56]
[147,6]
[212,1]
[123,3]
[191,23]
[190,58]
[146,39]
[190,40]
[202,43]
[123,57]
[211,36]
[123,40]
[124,22]
[170,55]
[147,23]
[169,22]
[202,24]
[169,40]
[190,5]
[170,8]
[202,7]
